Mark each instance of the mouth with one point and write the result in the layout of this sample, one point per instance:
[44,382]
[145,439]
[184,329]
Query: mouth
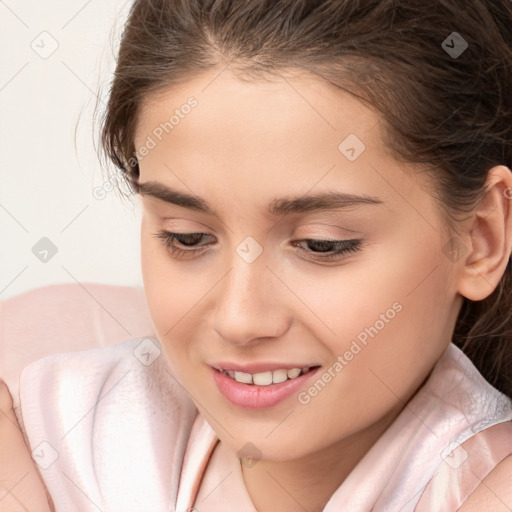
[261,389]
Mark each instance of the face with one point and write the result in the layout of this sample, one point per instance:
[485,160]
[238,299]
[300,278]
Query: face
[304,244]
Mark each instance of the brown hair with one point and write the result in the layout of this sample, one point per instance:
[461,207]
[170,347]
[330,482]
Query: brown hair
[449,111]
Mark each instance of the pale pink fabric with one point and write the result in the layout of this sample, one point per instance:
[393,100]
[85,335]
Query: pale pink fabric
[67,317]
[108,427]
[129,438]
[452,484]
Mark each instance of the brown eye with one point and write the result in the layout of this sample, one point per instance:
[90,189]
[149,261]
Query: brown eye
[191,240]
[328,249]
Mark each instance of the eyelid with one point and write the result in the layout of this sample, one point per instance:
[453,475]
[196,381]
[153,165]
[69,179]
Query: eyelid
[162,216]
[177,223]
[328,230]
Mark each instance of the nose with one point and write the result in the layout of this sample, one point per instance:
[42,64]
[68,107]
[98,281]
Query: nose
[251,304]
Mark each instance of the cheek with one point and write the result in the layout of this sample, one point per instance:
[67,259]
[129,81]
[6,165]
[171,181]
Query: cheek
[168,291]
[399,274]
[154,277]
[391,324]
[175,296]
[395,296]
[167,299]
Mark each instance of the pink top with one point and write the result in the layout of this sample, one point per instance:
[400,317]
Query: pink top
[112,430]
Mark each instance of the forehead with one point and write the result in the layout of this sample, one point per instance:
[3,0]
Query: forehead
[266,110]
[294,132]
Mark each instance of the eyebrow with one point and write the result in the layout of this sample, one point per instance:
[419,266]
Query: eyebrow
[277,207]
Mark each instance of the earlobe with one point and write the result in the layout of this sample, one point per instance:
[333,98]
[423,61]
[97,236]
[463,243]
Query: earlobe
[490,237]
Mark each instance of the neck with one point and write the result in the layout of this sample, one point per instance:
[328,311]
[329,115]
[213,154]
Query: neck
[307,483]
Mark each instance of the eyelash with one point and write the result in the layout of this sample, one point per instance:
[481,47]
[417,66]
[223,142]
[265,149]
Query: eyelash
[168,238]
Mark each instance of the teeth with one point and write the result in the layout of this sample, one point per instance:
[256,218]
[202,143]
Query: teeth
[294,372]
[279,376]
[245,378]
[266,378]
[262,379]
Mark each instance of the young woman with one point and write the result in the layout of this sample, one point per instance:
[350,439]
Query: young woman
[326,243]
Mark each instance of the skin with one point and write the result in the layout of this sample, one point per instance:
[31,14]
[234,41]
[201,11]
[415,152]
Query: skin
[244,145]
[21,486]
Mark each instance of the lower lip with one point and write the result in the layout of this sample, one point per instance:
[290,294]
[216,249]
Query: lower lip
[251,396]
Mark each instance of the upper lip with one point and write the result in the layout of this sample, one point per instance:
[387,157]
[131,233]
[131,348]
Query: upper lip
[258,367]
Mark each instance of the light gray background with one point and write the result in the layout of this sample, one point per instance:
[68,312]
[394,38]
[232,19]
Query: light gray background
[51,186]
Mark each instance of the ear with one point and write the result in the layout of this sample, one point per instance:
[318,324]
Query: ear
[489,236]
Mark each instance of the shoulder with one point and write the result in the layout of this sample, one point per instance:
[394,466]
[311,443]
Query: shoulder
[92,414]
[102,357]
[494,493]
[131,374]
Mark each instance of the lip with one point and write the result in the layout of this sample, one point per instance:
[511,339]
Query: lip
[251,396]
